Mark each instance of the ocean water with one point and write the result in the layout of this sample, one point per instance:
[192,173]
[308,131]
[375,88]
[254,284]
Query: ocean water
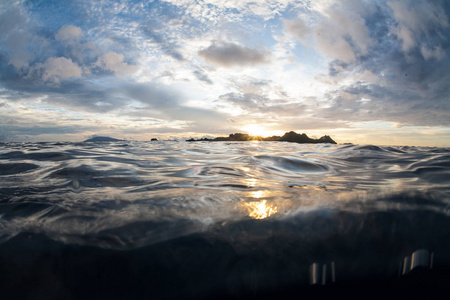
[198,220]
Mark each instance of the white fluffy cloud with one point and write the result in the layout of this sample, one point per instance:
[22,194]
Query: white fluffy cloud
[56,69]
[299,29]
[339,32]
[69,34]
[114,62]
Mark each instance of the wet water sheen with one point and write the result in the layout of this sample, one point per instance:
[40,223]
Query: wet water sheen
[259,198]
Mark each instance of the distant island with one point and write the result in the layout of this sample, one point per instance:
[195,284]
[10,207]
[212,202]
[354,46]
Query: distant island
[97,139]
[290,136]
[105,139]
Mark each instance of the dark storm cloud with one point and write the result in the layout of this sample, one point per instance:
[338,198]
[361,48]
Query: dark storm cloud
[228,54]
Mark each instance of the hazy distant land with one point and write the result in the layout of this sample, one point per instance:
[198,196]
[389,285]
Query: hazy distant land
[290,136]
[97,139]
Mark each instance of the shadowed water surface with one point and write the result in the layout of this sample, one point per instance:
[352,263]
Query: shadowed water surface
[176,219]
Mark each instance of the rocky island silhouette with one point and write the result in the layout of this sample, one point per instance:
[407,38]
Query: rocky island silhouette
[290,136]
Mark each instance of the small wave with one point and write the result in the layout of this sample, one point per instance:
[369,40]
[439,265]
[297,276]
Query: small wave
[82,171]
[102,184]
[39,156]
[227,171]
[292,164]
[370,147]
[51,156]
[29,210]
[16,168]
[12,155]
[119,181]
[253,213]
[424,170]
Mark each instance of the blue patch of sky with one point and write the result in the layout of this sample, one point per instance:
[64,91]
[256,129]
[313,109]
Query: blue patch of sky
[55,14]
[270,28]
[254,32]
[308,56]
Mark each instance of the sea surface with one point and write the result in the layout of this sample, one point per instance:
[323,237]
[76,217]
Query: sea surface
[166,219]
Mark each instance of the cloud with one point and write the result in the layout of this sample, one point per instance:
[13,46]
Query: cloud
[202,76]
[112,61]
[260,104]
[299,29]
[255,97]
[56,69]
[157,96]
[415,20]
[164,102]
[436,53]
[73,44]
[319,63]
[69,34]
[18,41]
[157,33]
[402,46]
[339,32]
[227,54]
[15,37]
[215,9]
[373,102]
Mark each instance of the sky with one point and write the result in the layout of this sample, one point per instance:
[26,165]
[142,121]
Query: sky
[363,72]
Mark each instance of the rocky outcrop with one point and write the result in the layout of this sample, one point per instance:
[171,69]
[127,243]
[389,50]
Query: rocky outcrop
[290,136]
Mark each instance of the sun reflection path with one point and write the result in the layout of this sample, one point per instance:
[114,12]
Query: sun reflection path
[260,209]
[251,182]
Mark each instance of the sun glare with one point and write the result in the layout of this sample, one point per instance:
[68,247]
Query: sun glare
[260,209]
[255,130]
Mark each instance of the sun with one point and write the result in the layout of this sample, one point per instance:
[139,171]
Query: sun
[255,130]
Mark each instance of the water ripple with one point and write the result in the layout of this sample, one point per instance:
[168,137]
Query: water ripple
[176,188]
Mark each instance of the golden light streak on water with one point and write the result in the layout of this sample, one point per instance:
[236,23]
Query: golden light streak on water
[251,182]
[257,194]
[260,209]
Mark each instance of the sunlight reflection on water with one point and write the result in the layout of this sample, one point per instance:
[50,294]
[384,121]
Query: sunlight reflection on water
[260,209]
[199,216]
[111,186]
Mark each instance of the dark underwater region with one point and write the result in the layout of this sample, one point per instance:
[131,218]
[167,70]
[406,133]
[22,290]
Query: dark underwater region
[241,260]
